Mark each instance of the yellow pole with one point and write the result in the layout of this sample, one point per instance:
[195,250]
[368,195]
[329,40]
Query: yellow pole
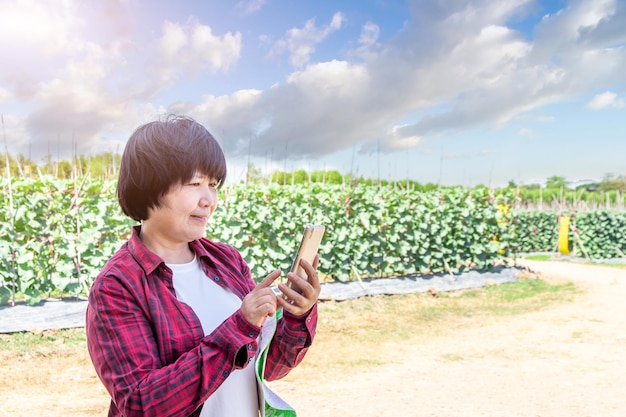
[564,235]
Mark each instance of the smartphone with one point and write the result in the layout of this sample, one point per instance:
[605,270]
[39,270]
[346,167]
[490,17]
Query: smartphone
[309,245]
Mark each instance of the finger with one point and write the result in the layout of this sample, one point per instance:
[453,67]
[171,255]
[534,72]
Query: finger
[292,293]
[297,306]
[268,309]
[265,296]
[269,279]
[312,277]
[287,305]
[316,261]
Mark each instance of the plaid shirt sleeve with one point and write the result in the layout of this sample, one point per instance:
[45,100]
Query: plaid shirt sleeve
[293,337]
[149,350]
[291,342]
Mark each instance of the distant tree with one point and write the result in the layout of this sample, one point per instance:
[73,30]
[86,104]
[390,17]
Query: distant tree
[279,177]
[63,170]
[253,175]
[608,177]
[429,186]
[511,184]
[613,183]
[97,166]
[300,177]
[317,176]
[556,182]
[333,177]
[14,169]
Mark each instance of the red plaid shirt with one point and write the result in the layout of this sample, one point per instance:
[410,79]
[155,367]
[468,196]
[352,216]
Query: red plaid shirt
[149,349]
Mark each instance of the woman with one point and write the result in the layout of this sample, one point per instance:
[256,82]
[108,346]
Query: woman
[174,319]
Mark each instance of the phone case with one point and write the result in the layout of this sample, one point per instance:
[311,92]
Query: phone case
[309,245]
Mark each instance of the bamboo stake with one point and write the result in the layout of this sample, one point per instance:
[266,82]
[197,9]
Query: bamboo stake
[577,238]
[20,171]
[11,212]
[447,267]
[582,246]
[358,277]
[77,191]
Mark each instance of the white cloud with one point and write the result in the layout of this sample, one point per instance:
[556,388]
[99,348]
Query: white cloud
[5,95]
[79,71]
[301,42]
[192,48]
[37,25]
[219,53]
[251,6]
[318,109]
[483,72]
[37,36]
[398,142]
[369,34]
[174,39]
[368,46]
[232,118]
[526,132]
[473,70]
[604,100]
[452,66]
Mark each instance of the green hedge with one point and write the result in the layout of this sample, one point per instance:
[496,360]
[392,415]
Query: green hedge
[373,231]
[601,233]
[55,235]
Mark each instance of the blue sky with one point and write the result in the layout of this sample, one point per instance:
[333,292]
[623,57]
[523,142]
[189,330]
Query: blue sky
[450,92]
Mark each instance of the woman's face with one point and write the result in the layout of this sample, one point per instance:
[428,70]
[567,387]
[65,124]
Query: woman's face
[185,210]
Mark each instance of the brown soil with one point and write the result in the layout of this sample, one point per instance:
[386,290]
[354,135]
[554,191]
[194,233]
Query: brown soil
[567,360]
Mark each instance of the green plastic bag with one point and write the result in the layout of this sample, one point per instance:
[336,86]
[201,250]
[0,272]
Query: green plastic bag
[274,405]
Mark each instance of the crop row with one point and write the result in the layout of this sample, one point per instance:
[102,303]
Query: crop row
[55,235]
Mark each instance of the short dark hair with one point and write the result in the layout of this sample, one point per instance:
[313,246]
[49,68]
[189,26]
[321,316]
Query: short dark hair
[161,154]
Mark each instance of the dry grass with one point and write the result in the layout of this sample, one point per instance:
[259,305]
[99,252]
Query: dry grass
[358,333]
[51,371]
[49,374]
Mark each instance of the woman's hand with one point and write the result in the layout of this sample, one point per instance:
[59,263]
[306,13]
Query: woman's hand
[300,301]
[261,302]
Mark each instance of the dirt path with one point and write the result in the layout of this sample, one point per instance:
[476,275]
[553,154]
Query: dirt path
[568,360]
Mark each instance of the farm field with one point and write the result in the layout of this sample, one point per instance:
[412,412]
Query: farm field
[551,355]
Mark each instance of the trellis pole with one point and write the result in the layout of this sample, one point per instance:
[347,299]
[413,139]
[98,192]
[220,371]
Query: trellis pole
[11,213]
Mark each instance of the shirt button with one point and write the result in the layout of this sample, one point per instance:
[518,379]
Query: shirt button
[216,279]
[250,346]
[225,374]
[251,334]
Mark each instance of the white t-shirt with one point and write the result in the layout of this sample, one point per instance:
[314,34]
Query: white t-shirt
[237,396]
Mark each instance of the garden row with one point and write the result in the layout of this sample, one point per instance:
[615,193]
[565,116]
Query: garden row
[55,235]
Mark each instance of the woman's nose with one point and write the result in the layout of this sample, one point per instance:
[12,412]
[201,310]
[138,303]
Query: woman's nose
[209,197]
